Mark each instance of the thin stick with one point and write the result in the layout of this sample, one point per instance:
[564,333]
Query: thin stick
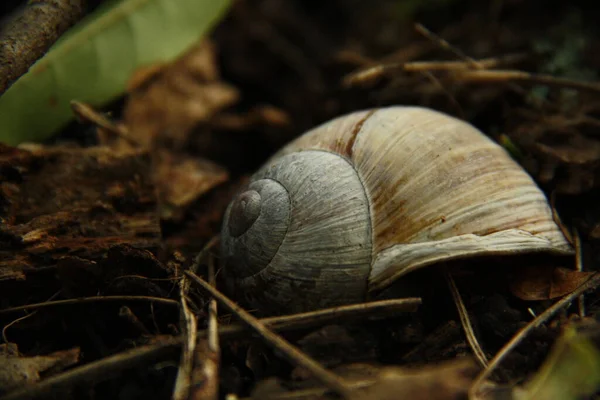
[445,91]
[344,314]
[205,379]
[447,46]
[488,76]
[289,351]
[466,322]
[202,254]
[213,321]
[579,267]
[87,113]
[371,73]
[109,367]
[85,300]
[592,283]
[563,229]
[187,320]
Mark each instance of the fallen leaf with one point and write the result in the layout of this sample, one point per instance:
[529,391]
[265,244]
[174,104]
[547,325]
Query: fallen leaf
[544,283]
[446,381]
[165,105]
[17,370]
[180,179]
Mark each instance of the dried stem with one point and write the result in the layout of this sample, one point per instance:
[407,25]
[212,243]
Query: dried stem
[85,300]
[87,113]
[275,341]
[189,325]
[109,367]
[441,42]
[488,76]
[579,267]
[466,322]
[206,373]
[191,358]
[356,312]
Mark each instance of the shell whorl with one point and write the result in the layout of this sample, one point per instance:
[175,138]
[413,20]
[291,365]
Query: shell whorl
[283,258]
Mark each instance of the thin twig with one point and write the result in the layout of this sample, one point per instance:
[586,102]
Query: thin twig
[14,322]
[443,89]
[447,46]
[112,366]
[188,323]
[592,283]
[372,73]
[488,76]
[564,230]
[275,341]
[579,268]
[344,314]
[484,63]
[205,377]
[96,371]
[460,54]
[202,254]
[85,300]
[183,384]
[466,322]
[87,113]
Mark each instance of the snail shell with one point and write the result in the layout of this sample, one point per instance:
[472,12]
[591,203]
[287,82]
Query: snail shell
[359,201]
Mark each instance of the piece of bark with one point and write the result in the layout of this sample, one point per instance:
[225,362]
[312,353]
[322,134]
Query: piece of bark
[72,202]
[31,33]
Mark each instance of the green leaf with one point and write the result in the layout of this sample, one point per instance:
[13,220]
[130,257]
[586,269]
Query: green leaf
[94,60]
[571,371]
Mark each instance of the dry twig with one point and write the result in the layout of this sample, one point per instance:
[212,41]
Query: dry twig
[191,363]
[579,268]
[112,366]
[85,300]
[466,322]
[279,344]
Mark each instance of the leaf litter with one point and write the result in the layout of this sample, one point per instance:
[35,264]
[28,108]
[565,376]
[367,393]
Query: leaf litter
[112,225]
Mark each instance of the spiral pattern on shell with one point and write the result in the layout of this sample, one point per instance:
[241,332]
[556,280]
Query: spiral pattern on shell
[361,200]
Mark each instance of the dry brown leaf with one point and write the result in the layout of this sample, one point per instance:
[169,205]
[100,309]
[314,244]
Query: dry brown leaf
[544,283]
[17,370]
[180,179]
[168,102]
[446,381]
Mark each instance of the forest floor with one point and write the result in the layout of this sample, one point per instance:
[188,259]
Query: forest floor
[115,229]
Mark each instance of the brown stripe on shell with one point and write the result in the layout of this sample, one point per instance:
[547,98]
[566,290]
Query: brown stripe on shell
[337,136]
[430,177]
